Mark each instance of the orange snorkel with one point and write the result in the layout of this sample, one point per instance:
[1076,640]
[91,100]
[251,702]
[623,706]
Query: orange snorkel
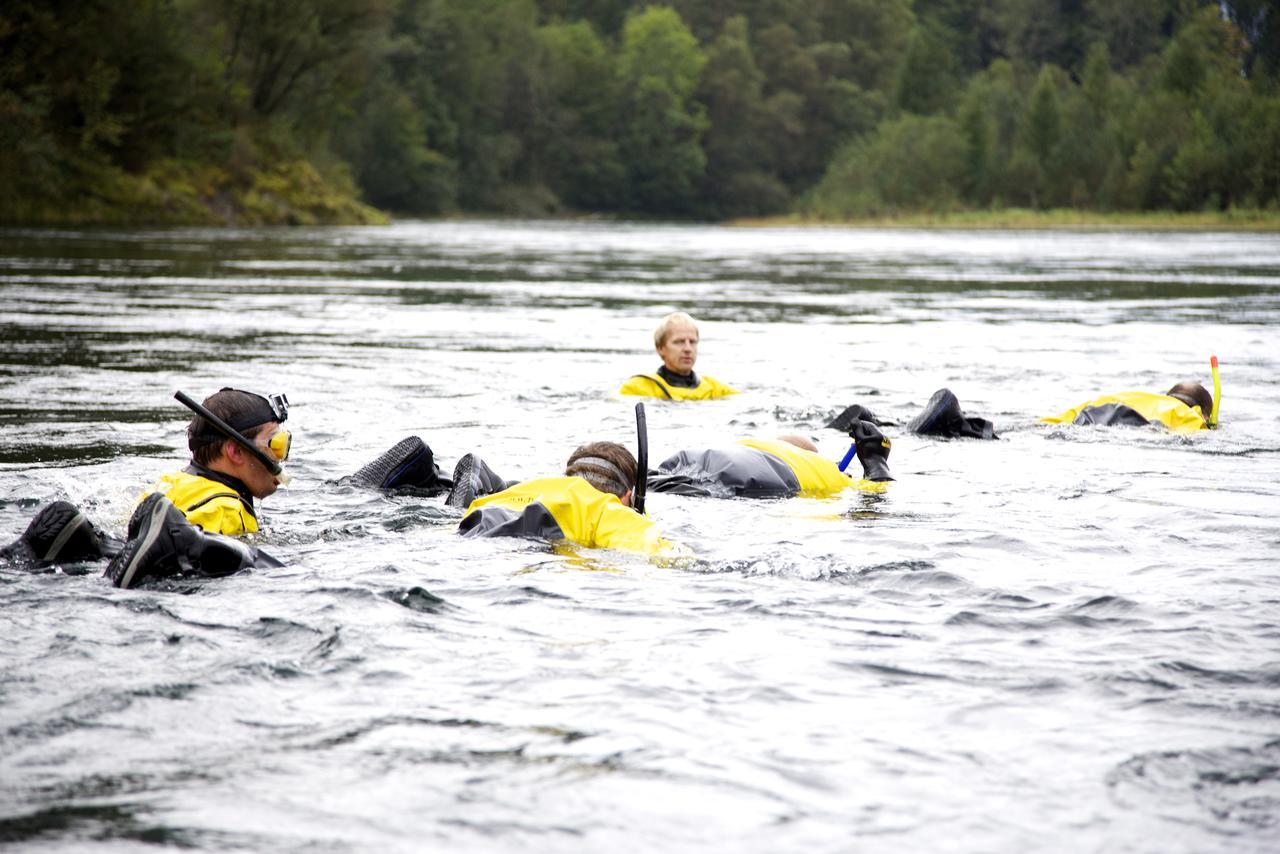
[1217,391]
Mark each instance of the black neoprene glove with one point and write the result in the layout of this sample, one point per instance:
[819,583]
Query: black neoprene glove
[873,450]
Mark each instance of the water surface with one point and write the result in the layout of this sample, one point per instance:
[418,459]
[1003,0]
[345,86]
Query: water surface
[1064,640]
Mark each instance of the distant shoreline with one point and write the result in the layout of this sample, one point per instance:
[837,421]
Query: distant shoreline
[1024,219]
[349,212]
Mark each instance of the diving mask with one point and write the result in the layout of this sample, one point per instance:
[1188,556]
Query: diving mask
[279,444]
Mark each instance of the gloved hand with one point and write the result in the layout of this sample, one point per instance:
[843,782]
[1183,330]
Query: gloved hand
[873,450]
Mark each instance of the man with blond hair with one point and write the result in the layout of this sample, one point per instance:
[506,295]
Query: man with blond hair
[676,340]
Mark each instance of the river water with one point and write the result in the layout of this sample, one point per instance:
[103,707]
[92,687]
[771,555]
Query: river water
[1068,639]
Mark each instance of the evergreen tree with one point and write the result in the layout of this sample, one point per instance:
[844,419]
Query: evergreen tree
[740,179]
[926,80]
[662,124]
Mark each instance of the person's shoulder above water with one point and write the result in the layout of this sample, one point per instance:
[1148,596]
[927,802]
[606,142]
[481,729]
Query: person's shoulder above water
[216,503]
[659,386]
[589,505]
[676,340]
[1185,408]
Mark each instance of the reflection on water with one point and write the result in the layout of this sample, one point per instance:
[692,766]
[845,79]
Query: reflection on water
[1066,634]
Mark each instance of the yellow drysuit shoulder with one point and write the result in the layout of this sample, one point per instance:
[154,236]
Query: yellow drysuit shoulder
[208,504]
[819,477]
[564,508]
[1160,408]
[652,385]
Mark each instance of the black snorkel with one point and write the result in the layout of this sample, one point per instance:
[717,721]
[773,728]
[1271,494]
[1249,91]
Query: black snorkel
[642,460]
[231,433]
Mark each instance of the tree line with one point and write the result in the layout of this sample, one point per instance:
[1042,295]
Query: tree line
[329,110]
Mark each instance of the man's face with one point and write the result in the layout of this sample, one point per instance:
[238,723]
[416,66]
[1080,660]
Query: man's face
[680,350]
[254,474]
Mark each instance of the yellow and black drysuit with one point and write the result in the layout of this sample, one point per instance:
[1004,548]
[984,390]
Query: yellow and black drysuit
[1135,409]
[753,468]
[669,385]
[212,501]
[187,525]
[564,508]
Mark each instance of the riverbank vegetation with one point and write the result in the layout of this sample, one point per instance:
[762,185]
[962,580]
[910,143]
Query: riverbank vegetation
[313,111]
[1023,219]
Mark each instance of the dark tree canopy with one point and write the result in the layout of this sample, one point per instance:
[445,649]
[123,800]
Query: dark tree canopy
[298,110]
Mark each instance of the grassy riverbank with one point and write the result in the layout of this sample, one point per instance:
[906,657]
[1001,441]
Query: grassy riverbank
[172,192]
[1024,219]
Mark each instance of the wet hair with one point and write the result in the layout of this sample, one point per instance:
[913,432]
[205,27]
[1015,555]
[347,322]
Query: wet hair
[1193,394]
[243,410]
[676,318]
[607,466]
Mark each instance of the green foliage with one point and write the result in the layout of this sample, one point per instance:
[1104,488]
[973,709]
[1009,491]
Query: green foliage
[909,163]
[662,125]
[738,145]
[575,150]
[291,110]
[114,107]
[926,80]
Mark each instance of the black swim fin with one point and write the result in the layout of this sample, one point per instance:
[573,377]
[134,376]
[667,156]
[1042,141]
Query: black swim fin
[942,416]
[409,464]
[852,415]
[58,533]
[472,478]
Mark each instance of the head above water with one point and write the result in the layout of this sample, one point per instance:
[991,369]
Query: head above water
[257,419]
[607,466]
[1193,394]
[676,340]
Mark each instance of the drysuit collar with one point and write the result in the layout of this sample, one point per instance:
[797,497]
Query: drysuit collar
[689,380]
[234,483]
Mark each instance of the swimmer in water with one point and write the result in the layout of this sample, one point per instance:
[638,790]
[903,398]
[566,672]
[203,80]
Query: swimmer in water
[772,468]
[188,522]
[676,340]
[1185,408]
[590,505]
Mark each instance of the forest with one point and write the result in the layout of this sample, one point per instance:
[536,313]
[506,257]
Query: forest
[345,111]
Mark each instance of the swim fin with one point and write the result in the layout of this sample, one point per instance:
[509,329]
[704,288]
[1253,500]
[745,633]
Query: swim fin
[58,533]
[852,415]
[942,416]
[473,478]
[409,463]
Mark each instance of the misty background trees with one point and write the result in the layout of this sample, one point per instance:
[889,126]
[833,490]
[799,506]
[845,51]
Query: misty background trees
[300,110]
